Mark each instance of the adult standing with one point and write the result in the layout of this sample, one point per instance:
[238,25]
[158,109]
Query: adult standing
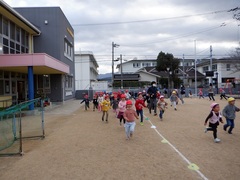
[210,92]
[152,91]
[182,92]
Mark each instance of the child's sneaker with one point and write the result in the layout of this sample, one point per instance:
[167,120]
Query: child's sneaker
[206,130]
[217,140]
[131,134]
[141,123]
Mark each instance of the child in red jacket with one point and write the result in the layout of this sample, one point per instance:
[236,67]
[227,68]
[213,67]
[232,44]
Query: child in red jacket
[139,104]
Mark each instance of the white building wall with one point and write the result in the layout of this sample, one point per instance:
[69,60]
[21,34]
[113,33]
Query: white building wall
[82,72]
[146,77]
[222,72]
[129,68]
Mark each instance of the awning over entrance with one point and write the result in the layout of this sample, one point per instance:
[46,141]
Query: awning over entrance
[41,63]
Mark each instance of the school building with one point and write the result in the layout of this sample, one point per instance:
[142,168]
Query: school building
[36,54]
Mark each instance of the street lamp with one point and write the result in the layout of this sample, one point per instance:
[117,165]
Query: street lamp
[113,46]
[169,87]
[217,81]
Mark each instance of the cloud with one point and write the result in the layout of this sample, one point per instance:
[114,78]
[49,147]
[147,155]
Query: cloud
[147,39]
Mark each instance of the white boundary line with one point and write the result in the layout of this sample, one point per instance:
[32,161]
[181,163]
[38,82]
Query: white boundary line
[179,153]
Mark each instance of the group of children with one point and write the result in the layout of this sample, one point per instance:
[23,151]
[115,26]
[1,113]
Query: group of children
[123,107]
[215,116]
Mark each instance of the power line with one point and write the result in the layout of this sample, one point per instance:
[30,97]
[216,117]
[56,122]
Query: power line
[151,20]
[182,35]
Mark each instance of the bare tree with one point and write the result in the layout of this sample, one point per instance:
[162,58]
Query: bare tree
[235,55]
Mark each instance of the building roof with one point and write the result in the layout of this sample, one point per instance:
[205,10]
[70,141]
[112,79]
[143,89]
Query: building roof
[13,15]
[214,61]
[87,53]
[135,60]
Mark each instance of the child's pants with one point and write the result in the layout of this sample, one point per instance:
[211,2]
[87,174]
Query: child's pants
[86,106]
[230,122]
[161,114]
[174,104]
[129,128]
[213,127]
[140,112]
[105,112]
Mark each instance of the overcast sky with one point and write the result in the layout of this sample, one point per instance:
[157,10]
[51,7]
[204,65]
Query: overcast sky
[164,29]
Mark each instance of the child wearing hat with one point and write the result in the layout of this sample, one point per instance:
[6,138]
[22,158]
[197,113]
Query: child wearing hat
[174,99]
[121,109]
[162,105]
[139,104]
[229,112]
[214,117]
[129,115]
[105,106]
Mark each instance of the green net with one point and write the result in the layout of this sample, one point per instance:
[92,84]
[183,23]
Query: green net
[17,123]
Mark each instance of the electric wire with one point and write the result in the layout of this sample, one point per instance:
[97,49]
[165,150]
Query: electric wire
[159,19]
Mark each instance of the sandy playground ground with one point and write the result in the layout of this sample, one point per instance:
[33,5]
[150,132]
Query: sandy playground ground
[78,145]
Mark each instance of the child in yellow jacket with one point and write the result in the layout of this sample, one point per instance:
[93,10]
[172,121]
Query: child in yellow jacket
[105,105]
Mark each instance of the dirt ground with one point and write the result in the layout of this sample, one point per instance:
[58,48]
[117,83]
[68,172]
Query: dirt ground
[78,145]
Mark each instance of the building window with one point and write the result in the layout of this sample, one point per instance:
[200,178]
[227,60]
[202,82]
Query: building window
[228,67]
[18,34]
[68,49]
[205,68]
[68,82]
[5,27]
[12,31]
[136,65]
[43,81]
[214,67]
[143,64]
[0,24]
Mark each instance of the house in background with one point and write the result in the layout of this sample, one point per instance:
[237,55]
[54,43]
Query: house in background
[85,70]
[147,72]
[132,66]
[225,70]
[36,59]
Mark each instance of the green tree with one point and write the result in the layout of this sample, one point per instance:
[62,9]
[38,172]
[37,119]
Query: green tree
[165,61]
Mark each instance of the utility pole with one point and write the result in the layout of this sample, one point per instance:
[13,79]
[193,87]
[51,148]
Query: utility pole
[112,63]
[121,71]
[195,54]
[211,62]
[113,46]
[183,70]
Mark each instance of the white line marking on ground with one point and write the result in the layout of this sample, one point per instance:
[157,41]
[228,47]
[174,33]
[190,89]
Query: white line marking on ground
[179,153]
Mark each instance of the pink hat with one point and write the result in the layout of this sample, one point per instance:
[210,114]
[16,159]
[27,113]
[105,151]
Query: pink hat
[161,96]
[213,105]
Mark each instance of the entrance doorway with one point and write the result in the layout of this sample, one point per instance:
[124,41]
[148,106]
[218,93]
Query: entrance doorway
[21,91]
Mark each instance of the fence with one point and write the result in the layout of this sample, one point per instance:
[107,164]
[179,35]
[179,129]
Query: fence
[17,124]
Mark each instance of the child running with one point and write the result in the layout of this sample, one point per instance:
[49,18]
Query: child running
[95,102]
[100,100]
[105,107]
[86,100]
[139,104]
[229,112]
[162,105]
[200,93]
[174,100]
[122,109]
[115,104]
[130,115]
[214,117]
